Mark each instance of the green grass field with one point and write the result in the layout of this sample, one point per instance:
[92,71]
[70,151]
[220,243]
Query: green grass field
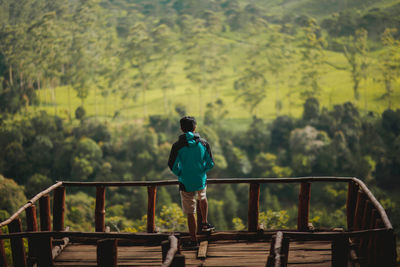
[336,89]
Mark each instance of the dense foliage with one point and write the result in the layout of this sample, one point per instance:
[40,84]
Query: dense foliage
[211,58]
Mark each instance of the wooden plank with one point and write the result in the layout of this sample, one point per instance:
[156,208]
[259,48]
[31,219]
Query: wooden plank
[32,226]
[100,211]
[44,254]
[107,253]
[375,203]
[215,181]
[253,209]
[351,203]
[303,206]
[59,208]
[17,245]
[151,208]
[340,251]
[360,204]
[202,253]
[30,202]
[44,207]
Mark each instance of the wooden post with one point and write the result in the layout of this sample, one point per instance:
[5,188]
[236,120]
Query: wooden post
[44,207]
[199,217]
[17,244]
[285,251]
[389,248]
[107,253]
[44,254]
[3,259]
[165,245]
[371,240]
[304,206]
[351,204]
[32,226]
[340,251]
[252,214]
[178,261]
[365,224]
[151,208]
[361,198]
[59,208]
[100,211]
[271,256]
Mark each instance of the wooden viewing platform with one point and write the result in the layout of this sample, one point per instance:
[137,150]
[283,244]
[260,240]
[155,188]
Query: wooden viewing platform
[368,241]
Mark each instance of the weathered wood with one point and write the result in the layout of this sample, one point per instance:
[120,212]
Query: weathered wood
[285,251]
[351,203]
[178,261]
[171,254]
[30,202]
[165,245]
[100,211]
[389,249]
[365,224]
[360,204]
[371,247]
[375,203]
[3,259]
[215,181]
[271,256]
[202,253]
[151,208]
[340,251]
[253,209]
[44,254]
[304,206]
[59,208]
[17,244]
[32,226]
[44,208]
[107,254]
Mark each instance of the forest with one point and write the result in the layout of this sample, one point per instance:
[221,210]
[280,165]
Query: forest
[93,90]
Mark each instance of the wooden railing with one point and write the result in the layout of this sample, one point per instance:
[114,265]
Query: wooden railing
[369,229]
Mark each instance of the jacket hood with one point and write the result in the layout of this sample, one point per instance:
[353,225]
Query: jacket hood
[191,138]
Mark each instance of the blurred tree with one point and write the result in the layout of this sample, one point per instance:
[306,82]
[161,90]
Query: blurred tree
[230,205]
[355,51]
[390,66]
[11,195]
[251,84]
[36,184]
[312,59]
[279,56]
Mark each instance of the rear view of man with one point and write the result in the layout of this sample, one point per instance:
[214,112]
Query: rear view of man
[190,159]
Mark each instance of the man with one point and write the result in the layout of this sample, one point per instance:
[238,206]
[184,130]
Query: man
[190,159]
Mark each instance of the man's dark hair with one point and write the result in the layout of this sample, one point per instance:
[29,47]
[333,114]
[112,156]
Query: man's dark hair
[188,124]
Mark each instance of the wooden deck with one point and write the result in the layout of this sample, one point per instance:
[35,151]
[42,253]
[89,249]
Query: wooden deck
[219,253]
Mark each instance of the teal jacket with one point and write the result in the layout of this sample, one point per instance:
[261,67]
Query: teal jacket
[190,159]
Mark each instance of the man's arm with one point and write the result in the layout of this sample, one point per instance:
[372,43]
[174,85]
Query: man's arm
[173,161]
[208,158]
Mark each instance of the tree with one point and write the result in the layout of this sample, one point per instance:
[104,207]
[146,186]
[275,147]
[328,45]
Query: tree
[11,195]
[390,66]
[312,59]
[355,51]
[139,52]
[251,85]
[205,60]
[279,56]
[165,49]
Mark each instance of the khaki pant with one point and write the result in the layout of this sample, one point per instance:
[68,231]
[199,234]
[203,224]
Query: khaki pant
[188,200]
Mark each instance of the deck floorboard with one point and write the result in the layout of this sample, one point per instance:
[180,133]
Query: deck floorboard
[219,253]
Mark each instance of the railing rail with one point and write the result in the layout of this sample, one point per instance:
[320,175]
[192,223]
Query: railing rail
[367,220]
